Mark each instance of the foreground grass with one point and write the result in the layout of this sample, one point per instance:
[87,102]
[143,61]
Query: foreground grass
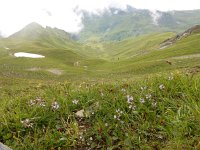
[156,113]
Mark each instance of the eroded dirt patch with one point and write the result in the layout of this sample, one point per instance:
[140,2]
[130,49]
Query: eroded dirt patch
[56,71]
[187,56]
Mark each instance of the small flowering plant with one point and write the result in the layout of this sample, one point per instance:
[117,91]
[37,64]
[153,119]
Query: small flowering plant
[130,101]
[170,78]
[75,101]
[142,100]
[38,101]
[27,123]
[55,105]
[143,88]
[118,114]
[161,87]
[148,96]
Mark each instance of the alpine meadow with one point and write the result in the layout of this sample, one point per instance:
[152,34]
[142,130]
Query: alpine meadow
[129,79]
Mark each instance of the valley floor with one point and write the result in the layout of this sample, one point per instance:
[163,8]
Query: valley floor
[118,95]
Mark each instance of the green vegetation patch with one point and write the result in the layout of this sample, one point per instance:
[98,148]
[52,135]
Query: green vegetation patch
[154,113]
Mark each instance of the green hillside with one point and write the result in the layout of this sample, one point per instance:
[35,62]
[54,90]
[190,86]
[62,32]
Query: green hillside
[60,51]
[136,56]
[138,93]
[115,24]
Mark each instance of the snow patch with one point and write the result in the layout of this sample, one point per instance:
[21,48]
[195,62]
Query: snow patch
[155,16]
[28,55]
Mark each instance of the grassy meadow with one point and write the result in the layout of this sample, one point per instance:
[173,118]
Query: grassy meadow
[161,112]
[119,95]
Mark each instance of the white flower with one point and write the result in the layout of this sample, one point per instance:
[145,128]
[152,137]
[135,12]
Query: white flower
[170,78]
[133,107]
[27,123]
[75,101]
[143,88]
[142,100]
[91,138]
[154,104]
[32,102]
[129,99]
[37,101]
[106,124]
[55,105]
[42,104]
[148,96]
[123,90]
[161,87]
[115,116]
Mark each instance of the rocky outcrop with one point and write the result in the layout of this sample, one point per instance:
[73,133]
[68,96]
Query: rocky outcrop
[171,41]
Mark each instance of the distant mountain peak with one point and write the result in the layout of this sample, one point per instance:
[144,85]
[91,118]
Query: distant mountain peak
[34,32]
[30,31]
[33,25]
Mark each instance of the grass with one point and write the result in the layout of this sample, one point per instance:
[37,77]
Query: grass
[164,114]
[114,100]
[134,56]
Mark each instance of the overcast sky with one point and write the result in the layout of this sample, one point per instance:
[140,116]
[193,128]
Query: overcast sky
[15,14]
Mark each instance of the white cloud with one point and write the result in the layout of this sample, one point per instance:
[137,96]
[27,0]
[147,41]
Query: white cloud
[155,16]
[15,14]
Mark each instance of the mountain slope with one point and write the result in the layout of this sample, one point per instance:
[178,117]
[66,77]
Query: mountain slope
[60,51]
[117,24]
[134,56]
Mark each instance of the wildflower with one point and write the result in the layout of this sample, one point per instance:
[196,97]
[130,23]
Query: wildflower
[75,101]
[91,138]
[154,104]
[148,96]
[142,100]
[42,104]
[55,105]
[161,87]
[143,88]
[170,78]
[106,124]
[32,102]
[27,123]
[133,107]
[118,114]
[37,101]
[123,90]
[119,111]
[129,99]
